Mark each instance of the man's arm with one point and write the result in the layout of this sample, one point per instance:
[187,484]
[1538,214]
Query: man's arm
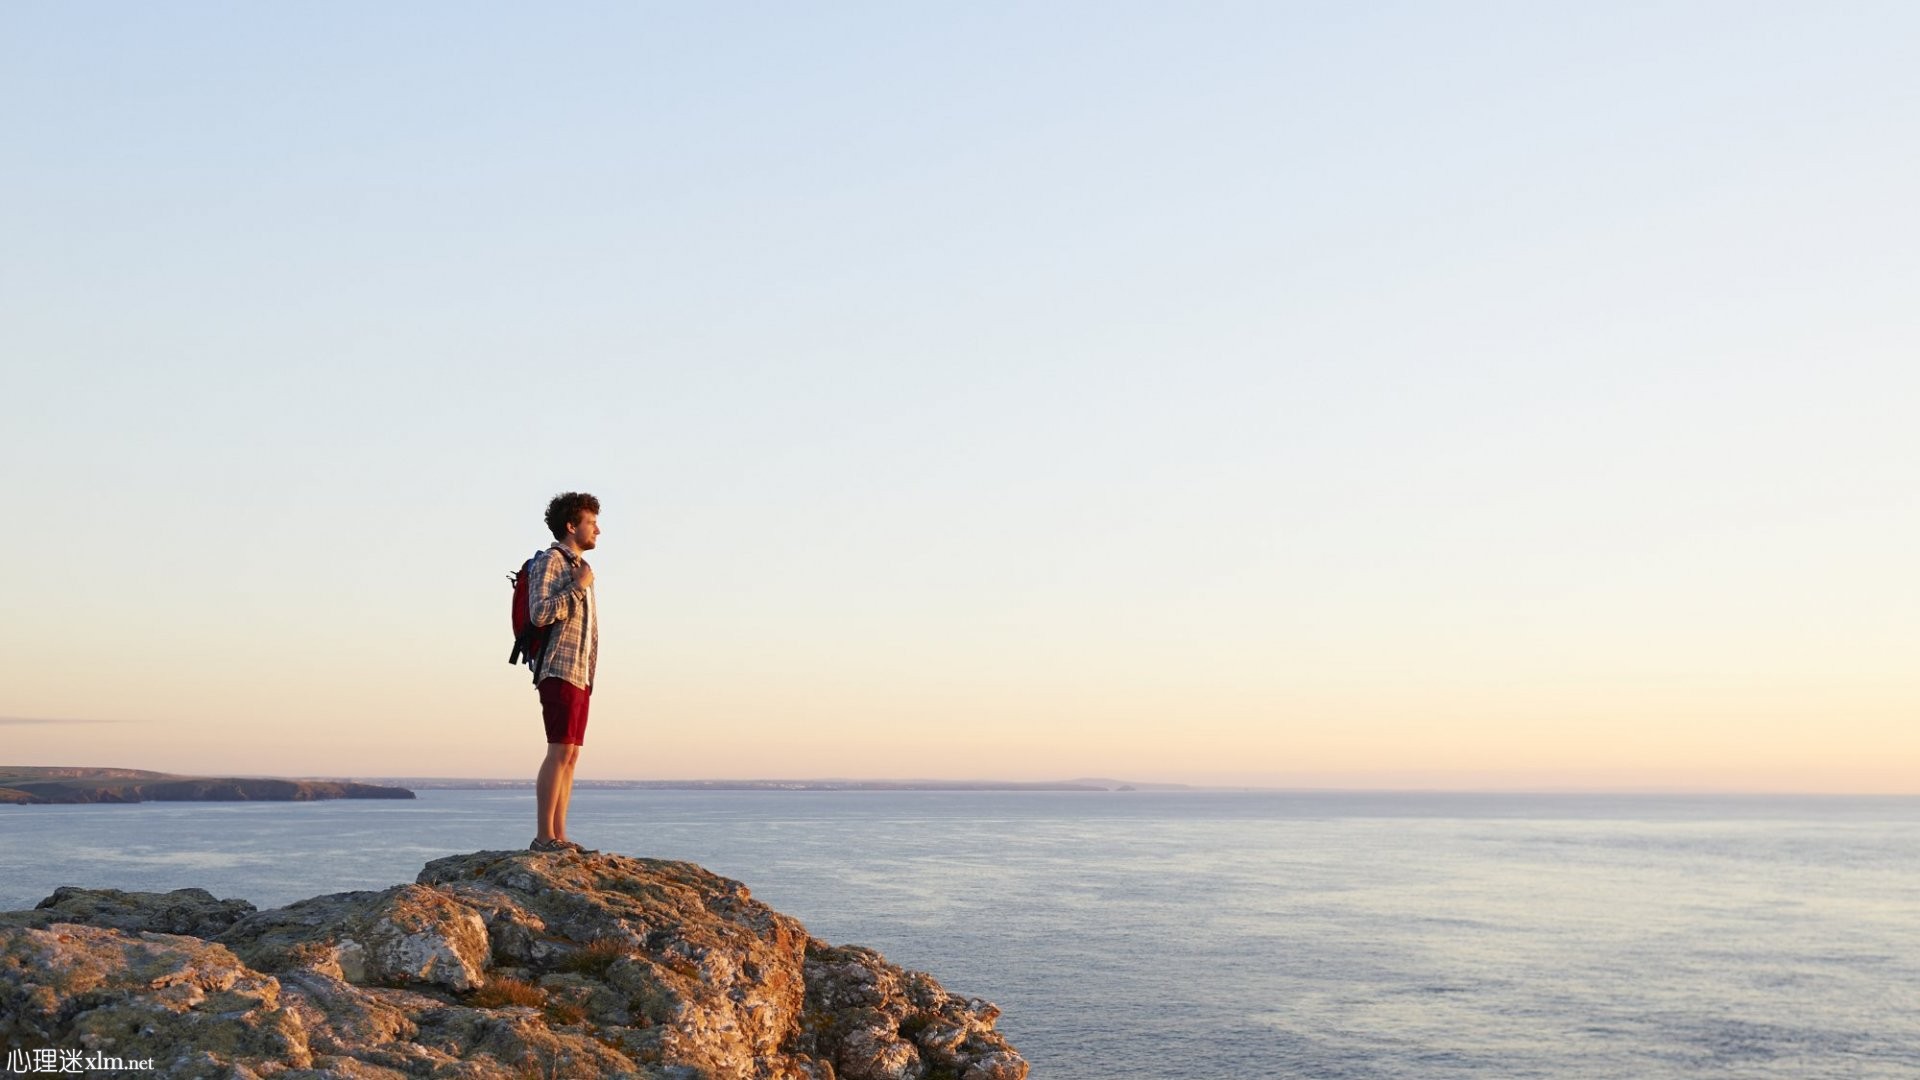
[553,596]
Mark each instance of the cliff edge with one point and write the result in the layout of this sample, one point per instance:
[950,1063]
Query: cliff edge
[493,965]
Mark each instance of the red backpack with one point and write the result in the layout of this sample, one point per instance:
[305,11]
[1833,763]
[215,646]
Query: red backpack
[529,641]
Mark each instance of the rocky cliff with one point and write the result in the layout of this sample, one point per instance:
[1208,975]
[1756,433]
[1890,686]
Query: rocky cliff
[494,965]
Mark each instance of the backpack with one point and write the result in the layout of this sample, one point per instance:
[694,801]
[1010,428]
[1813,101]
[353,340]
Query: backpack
[529,641]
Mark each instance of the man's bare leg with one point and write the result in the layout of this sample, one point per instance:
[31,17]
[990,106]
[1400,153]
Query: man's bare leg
[565,786]
[549,791]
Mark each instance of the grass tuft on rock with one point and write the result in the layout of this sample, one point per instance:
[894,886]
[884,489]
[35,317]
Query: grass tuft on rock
[595,957]
[501,990]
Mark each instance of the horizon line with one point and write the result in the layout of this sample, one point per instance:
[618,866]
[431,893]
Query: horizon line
[1172,784]
[1143,786]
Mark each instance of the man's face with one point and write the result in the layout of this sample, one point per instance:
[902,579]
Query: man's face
[585,532]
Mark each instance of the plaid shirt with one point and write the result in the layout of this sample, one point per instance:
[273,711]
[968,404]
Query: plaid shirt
[573,650]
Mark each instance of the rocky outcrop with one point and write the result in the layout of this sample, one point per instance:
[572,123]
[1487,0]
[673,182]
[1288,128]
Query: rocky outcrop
[490,966]
[873,1019]
[183,911]
[186,1004]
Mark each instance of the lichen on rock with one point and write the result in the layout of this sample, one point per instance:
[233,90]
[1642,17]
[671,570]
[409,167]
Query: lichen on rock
[491,965]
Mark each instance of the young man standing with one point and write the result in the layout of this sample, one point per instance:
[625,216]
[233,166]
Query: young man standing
[560,594]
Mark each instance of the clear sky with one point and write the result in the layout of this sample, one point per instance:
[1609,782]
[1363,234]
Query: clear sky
[1438,395]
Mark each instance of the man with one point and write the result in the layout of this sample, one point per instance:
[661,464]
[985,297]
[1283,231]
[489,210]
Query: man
[560,594]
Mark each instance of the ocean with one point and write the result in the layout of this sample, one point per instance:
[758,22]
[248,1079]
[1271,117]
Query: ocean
[1218,935]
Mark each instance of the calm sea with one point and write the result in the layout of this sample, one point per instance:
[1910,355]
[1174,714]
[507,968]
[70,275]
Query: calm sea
[1219,935]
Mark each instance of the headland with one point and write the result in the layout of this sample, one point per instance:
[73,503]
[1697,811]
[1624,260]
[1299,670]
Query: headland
[28,784]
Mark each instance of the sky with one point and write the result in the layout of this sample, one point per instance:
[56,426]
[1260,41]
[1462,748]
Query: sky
[1460,396]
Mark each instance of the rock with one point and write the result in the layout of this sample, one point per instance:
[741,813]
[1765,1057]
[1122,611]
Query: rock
[491,966]
[719,975]
[182,911]
[402,936]
[996,1065]
[190,1005]
[879,1022]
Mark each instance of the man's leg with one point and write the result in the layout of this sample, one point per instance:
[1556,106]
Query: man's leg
[549,793]
[565,790]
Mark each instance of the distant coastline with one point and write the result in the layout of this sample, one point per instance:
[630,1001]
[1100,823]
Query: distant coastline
[458,783]
[23,785]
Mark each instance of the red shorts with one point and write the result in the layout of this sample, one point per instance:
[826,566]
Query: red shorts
[564,707]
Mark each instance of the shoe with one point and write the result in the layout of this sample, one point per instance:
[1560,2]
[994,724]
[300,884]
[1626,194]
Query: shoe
[547,845]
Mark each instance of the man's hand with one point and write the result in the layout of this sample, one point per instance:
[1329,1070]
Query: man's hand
[583,575]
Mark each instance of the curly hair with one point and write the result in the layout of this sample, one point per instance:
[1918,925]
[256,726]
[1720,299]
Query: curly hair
[565,509]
